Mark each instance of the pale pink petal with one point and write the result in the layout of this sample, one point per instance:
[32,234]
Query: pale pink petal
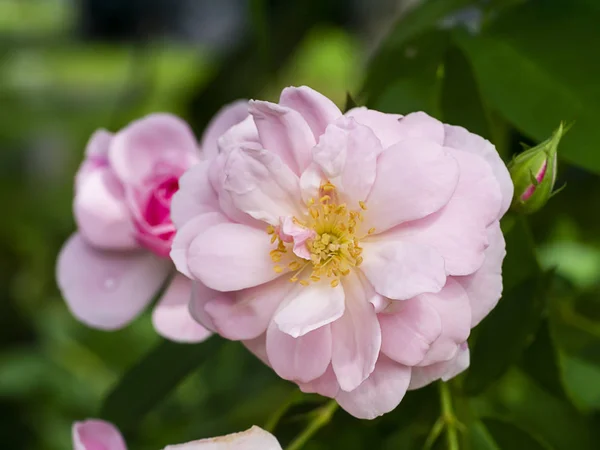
[285,132]
[461,139]
[101,213]
[243,133]
[420,125]
[422,376]
[138,148]
[307,308]
[356,337]
[230,257]
[258,347]
[347,154]
[326,385]
[253,439]
[246,314]
[261,185]
[301,358]
[290,231]
[317,110]
[95,434]
[228,116]
[310,182]
[458,231]
[378,394]
[200,296]
[484,287]
[408,331]
[401,270]
[195,195]
[414,179]
[107,290]
[452,305]
[385,126]
[171,316]
[186,235]
[96,155]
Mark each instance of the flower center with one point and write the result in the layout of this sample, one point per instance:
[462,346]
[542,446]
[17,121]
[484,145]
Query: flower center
[325,243]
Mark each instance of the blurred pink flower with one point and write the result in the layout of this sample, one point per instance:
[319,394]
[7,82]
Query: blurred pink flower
[96,434]
[350,252]
[111,268]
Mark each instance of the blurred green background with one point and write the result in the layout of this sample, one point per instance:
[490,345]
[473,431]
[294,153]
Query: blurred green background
[508,70]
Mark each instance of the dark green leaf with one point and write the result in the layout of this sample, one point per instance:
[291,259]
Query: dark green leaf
[153,378]
[510,437]
[535,77]
[480,439]
[506,332]
[521,261]
[540,361]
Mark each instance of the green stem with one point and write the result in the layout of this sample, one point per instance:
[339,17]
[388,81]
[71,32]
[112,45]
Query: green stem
[449,417]
[279,413]
[322,418]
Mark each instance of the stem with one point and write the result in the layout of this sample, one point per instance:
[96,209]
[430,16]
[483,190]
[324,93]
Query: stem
[279,413]
[448,416]
[322,418]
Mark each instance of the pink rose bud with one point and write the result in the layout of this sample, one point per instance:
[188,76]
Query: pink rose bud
[534,173]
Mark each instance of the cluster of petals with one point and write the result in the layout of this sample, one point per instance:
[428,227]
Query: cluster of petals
[352,253]
[94,434]
[115,263]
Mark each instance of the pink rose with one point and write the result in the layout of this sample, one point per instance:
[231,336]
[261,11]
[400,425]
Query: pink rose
[351,252]
[112,267]
[96,434]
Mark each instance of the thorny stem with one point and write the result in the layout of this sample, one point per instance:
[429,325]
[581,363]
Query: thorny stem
[322,417]
[448,416]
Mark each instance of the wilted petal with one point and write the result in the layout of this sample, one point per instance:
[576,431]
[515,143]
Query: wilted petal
[378,394]
[94,434]
[315,108]
[253,439]
[171,316]
[107,290]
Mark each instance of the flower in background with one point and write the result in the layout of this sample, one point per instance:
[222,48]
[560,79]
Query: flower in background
[351,252]
[96,434]
[111,268]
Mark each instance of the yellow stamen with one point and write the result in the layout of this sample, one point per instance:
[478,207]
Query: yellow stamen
[335,282]
[362,205]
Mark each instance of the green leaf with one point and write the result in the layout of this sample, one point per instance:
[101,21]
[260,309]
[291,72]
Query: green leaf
[534,76]
[387,60]
[521,260]
[480,438]
[505,334]
[541,362]
[510,437]
[153,378]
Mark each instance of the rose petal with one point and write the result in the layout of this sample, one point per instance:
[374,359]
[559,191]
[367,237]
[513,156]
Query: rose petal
[246,314]
[401,270]
[261,185]
[171,316]
[94,434]
[101,213]
[420,125]
[107,290]
[315,108]
[385,126]
[347,154]
[284,132]
[228,116]
[195,195]
[356,337]
[484,287]
[408,331]
[96,155]
[230,257]
[301,358]
[422,376]
[378,394]
[461,139]
[139,147]
[258,347]
[200,296]
[414,179]
[244,133]
[253,439]
[186,235]
[310,307]
[326,385]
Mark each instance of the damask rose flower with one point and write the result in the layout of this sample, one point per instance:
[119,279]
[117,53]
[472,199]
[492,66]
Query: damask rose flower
[112,267]
[96,434]
[351,252]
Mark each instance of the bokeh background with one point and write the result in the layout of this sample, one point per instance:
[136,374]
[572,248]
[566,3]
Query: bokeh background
[509,70]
